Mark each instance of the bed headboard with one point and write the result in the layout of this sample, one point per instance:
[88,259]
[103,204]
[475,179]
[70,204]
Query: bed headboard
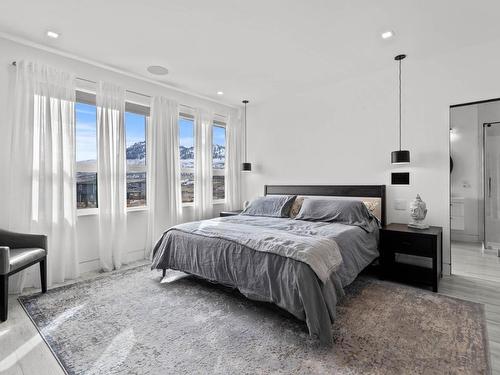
[347,191]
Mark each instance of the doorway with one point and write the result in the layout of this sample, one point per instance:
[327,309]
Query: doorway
[475,189]
[491,159]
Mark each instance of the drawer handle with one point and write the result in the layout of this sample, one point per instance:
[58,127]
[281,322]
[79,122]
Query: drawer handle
[406,243]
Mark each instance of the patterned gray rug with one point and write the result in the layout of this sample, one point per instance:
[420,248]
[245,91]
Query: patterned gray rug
[130,323]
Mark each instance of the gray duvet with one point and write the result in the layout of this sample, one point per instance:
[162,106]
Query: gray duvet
[301,266]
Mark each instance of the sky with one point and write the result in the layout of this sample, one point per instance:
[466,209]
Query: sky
[219,136]
[86,137]
[186,133]
[86,140]
[135,127]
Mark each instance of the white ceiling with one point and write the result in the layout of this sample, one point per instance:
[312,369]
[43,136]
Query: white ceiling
[252,49]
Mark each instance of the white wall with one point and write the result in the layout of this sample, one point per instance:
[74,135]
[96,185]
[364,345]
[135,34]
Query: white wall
[344,132]
[87,225]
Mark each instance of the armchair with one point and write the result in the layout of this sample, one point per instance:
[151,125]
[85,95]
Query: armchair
[17,252]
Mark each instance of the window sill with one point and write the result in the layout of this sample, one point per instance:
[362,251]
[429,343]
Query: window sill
[95,211]
[137,209]
[87,211]
[191,204]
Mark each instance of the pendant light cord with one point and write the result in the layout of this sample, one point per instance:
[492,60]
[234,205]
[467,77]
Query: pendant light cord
[246,142]
[399,105]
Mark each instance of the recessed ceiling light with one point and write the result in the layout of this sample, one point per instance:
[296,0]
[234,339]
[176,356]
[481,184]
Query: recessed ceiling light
[387,34]
[52,34]
[220,93]
[157,70]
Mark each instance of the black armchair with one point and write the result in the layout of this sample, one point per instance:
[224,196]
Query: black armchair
[17,252]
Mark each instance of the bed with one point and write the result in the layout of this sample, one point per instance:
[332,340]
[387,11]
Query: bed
[301,266]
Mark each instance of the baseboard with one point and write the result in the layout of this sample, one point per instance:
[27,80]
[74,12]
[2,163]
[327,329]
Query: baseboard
[88,266]
[136,255]
[462,237]
[493,245]
[93,264]
[31,278]
[446,269]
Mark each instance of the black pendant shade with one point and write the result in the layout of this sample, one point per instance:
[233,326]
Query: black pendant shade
[246,167]
[400,156]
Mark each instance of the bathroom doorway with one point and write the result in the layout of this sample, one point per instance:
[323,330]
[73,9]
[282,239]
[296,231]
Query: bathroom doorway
[491,159]
[475,189]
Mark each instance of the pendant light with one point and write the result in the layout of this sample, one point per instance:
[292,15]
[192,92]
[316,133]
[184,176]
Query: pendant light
[400,156]
[246,166]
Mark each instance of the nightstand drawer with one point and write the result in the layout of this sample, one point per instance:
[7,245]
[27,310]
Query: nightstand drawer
[409,244]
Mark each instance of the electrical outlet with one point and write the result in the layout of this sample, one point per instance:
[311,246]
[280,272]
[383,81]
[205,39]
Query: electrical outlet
[400,204]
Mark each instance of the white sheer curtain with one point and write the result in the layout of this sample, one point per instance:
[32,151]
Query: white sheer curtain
[164,186]
[233,161]
[111,175]
[203,194]
[42,190]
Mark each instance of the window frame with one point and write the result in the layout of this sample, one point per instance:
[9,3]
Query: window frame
[187,116]
[220,172]
[89,98]
[138,109]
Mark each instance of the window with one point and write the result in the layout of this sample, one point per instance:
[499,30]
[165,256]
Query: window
[135,133]
[186,149]
[86,153]
[218,160]
[136,117]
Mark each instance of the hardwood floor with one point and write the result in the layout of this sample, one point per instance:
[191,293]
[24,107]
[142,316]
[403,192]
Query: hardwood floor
[477,278]
[469,259]
[23,351]
[487,293]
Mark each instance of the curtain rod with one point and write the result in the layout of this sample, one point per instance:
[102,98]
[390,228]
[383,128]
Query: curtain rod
[14,63]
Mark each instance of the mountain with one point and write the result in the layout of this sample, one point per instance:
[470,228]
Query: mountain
[219,152]
[137,151]
[187,152]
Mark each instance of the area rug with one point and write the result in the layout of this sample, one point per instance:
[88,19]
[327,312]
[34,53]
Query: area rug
[130,323]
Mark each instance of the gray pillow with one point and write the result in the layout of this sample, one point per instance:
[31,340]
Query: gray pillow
[270,205]
[343,211]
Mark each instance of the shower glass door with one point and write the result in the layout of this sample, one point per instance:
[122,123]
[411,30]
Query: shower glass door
[491,141]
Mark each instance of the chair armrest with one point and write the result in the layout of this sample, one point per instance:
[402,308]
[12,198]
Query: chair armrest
[4,260]
[19,240]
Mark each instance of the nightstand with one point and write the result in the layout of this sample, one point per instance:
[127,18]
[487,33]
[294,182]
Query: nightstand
[398,239]
[230,213]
